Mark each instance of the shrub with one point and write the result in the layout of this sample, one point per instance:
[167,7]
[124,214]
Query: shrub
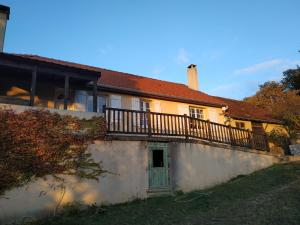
[37,143]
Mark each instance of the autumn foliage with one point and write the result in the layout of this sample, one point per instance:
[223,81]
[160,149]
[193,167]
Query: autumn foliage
[37,143]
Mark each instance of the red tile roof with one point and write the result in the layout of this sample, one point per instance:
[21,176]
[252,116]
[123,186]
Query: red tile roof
[244,110]
[138,84]
[125,81]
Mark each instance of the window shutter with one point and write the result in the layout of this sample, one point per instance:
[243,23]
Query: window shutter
[213,115]
[183,109]
[135,103]
[156,106]
[115,101]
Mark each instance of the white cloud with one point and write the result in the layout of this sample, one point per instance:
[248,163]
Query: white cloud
[260,66]
[182,56]
[158,70]
[290,64]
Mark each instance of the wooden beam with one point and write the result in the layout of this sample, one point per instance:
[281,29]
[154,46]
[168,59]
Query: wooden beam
[48,69]
[95,101]
[66,95]
[33,86]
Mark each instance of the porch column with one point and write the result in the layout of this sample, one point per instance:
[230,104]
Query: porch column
[66,95]
[95,102]
[33,86]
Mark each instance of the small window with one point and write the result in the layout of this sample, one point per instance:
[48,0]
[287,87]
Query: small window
[158,158]
[240,125]
[196,113]
[257,128]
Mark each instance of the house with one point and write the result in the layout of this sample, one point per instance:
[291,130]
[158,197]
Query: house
[39,81]
[162,136]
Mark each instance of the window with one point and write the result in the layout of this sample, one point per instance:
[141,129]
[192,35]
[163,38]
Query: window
[101,104]
[196,113]
[84,102]
[240,125]
[158,158]
[144,106]
[257,128]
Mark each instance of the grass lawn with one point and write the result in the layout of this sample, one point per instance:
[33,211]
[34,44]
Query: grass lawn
[270,196]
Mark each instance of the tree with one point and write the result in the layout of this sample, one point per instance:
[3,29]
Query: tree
[291,79]
[281,103]
[37,143]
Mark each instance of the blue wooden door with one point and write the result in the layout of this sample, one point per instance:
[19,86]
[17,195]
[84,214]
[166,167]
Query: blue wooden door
[158,166]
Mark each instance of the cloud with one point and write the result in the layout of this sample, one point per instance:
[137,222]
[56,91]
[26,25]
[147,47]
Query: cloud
[259,67]
[182,56]
[290,64]
[158,70]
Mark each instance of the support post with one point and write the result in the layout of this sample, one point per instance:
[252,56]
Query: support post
[95,102]
[149,122]
[232,140]
[66,94]
[186,128]
[266,138]
[33,86]
[250,139]
[209,131]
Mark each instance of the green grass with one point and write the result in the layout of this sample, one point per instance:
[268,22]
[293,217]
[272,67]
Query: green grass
[269,196]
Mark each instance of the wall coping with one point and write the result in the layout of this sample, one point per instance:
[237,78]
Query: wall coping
[80,115]
[190,141]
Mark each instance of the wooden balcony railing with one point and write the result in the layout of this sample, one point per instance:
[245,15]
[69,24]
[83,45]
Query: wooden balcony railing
[124,121]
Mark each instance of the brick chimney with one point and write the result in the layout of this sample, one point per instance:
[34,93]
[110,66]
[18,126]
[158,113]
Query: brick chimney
[4,16]
[192,75]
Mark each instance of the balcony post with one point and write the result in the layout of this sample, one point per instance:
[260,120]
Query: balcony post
[186,128]
[33,86]
[232,141]
[250,140]
[95,102]
[266,139]
[209,131]
[66,94]
[149,123]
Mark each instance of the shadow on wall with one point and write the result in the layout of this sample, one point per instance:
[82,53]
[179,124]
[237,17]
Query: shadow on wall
[128,180]
[197,166]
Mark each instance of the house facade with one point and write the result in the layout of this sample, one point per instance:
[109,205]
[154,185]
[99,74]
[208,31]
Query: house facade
[49,83]
[161,136]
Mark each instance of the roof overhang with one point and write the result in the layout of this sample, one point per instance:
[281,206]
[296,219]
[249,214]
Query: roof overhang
[15,61]
[257,120]
[128,91]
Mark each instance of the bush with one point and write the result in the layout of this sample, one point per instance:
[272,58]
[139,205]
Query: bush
[37,143]
[280,139]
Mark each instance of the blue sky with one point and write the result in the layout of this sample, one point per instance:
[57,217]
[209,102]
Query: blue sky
[236,44]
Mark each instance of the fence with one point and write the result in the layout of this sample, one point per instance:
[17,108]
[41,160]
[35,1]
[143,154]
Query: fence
[124,121]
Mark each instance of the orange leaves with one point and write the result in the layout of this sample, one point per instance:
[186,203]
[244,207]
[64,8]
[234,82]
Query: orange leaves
[37,143]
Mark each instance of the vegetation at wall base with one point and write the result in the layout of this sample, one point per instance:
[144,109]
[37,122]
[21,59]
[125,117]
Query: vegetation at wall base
[269,196]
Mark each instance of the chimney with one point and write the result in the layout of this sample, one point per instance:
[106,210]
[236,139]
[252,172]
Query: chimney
[192,74]
[4,16]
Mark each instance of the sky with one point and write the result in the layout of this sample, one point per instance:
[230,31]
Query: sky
[236,44]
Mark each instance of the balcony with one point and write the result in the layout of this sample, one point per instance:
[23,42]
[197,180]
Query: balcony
[182,127]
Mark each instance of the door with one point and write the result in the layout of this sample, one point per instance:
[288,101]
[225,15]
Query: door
[158,166]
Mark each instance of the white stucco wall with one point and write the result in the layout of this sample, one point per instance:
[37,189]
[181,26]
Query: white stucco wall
[127,161]
[193,166]
[198,166]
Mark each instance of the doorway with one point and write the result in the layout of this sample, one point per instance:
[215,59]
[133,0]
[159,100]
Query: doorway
[158,166]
